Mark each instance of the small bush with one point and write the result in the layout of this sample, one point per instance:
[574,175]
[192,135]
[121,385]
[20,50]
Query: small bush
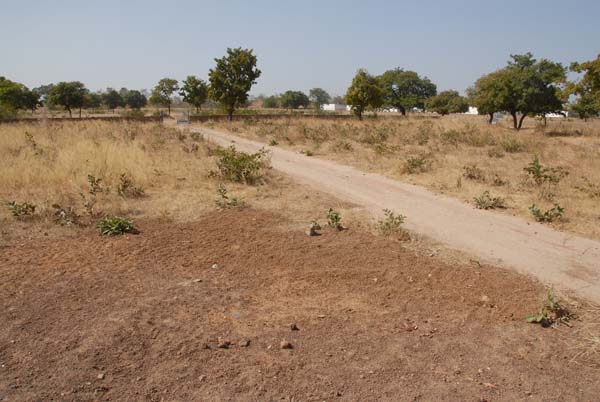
[341,146]
[334,219]
[237,166]
[273,142]
[486,201]
[115,226]
[417,164]
[451,137]
[95,184]
[472,172]
[65,216]
[589,188]
[550,215]
[391,223]
[496,152]
[424,132]
[127,188]
[21,210]
[225,201]
[563,133]
[512,145]
[552,312]
[541,174]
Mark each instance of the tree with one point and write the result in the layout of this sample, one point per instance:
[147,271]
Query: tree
[587,88]
[30,100]
[294,100]
[447,102]
[319,97]
[70,95]
[271,102]
[93,100]
[232,78]
[11,97]
[135,99]
[338,100]
[112,99]
[405,90]
[194,91]
[525,87]
[44,92]
[364,92]
[163,92]
[484,94]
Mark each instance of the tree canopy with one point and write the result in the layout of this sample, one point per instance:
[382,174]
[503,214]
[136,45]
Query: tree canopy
[232,78]
[163,92]
[447,102]
[405,90]
[271,102]
[70,95]
[135,99]
[587,88]
[15,96]
[319,97]
[112,99]
[194,91]
[294,100]
[364,93]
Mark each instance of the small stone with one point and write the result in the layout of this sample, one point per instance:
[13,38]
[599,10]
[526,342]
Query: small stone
[286,345]
[100,376]
[244,343]
[202,378]
[485,299]
[197,280]
[215,266]
[224,343]
[294,327]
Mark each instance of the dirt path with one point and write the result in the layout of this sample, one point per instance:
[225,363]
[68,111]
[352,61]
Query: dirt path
[562,259]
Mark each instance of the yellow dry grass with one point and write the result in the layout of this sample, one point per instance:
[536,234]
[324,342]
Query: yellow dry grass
[446,145]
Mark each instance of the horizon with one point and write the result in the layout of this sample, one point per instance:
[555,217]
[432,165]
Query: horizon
[295,46]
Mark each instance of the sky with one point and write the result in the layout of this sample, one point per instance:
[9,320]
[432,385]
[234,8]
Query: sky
[299,44]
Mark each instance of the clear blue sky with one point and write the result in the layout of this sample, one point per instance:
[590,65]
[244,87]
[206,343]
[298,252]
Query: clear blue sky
[299,44]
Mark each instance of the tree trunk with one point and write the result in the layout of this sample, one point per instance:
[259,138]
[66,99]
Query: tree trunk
[230,115]
[515,122]
[491,118]
[359,114]
[69,110]
[80,113]
[521,120]
[169,108]
[402,110]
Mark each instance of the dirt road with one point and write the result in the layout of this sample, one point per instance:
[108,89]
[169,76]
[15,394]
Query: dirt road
[561,259]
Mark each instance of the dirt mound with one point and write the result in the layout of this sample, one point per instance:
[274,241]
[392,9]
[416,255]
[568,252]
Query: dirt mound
[206,311]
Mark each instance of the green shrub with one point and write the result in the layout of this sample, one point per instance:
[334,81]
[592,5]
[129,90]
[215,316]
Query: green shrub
[241,167]
[472,172]
[541,174]
[512,145]
[115,226]
[273,142]
[550,215]
[551,312]
[417,164]
[334,219]
[225,201]
[21,210]
[391,223]
[486,201]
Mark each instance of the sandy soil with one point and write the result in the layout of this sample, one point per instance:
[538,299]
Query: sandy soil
[562,259]
[140,318]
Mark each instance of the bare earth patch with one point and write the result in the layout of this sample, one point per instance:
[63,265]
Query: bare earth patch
[141,317]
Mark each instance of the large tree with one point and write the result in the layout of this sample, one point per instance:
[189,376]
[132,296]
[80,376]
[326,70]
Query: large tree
[525,87]
[70,95]
[232,78]
[587,89]
[294,100]
[271,102]
[364,93]
[12,97]
[112,99]
[319,97]
[447,102]
[162,94]
[194,91]
[484,94]
[405,90]
[135,99]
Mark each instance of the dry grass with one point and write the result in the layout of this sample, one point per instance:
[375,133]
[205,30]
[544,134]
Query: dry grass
[434,152]
[49,163]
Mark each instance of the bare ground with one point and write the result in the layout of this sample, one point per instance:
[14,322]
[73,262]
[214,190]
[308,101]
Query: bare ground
[562,259]
[138,318]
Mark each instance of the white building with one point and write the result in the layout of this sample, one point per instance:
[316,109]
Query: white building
[332,107]
[472,110]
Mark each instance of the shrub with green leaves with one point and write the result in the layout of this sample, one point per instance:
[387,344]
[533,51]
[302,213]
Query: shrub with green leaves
[550,215]
[512,145]
[111,226]
[334,219]
[391,223]
[242,167]
[551,312]
[473,172]
[20,210]
[541,174]
[486,201]
[417,164]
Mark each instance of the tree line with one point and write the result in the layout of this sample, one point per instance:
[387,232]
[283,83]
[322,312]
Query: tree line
[524,87]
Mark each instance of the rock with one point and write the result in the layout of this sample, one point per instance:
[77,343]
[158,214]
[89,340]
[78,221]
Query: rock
[313,229]
[215,266]
[294,327]
[100,376]
[485,299]
[197,280]
[286,345]
[202,378]
[244,343]
[224,343]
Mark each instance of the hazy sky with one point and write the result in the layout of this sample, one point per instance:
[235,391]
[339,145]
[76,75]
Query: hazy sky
[299,44]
